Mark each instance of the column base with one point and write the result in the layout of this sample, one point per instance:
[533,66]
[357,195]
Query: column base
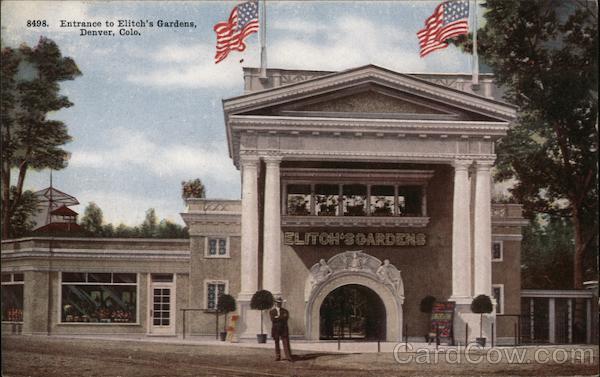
[463,317]
[248,325]
[462,301]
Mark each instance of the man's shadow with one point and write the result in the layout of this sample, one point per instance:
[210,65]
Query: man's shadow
[312,356]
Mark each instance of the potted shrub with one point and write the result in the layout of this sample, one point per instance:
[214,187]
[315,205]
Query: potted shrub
[481,304]
[261,300]
[426,306]
[226,305]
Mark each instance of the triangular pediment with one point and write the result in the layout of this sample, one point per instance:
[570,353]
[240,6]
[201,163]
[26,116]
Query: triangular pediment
[369,92]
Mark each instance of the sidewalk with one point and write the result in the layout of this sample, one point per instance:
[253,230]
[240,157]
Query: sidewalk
[297,344]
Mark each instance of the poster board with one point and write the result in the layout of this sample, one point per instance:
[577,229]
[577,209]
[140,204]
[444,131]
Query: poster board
[442,319]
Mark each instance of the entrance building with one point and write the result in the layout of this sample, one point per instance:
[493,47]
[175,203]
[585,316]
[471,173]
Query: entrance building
[363,191]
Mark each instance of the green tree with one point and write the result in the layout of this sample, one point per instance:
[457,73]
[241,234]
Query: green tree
[545,54]
[547,254]
[92,220]
[21,222]
[124,231]
[149,227]
[168,229]
[30,90]
[192,188]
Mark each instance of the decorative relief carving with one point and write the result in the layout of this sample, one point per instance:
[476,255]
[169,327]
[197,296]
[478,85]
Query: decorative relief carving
[355,261]
[291,78]
[498,212]
[369,102]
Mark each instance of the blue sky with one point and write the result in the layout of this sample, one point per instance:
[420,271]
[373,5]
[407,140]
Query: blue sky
[147,110]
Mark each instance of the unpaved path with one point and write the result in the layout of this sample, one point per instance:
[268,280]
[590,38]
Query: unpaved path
[54,356]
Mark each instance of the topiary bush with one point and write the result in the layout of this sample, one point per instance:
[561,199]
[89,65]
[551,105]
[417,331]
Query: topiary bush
[480,305]
[427,303]
[261,300]
[226,304]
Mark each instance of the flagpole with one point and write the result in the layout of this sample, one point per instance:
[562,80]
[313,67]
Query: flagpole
[475,61]
[263,40]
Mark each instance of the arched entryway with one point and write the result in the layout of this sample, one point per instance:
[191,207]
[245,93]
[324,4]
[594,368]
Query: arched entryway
[352,312]
[392,304]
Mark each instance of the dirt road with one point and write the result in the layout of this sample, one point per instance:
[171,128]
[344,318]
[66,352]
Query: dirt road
[53,356]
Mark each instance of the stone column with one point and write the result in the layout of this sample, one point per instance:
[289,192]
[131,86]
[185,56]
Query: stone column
[482,230]
[272,228]
[461,255]
[249,245]
[249,322]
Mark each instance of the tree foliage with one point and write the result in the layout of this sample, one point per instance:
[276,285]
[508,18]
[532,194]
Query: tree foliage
[92,222]
[92,219]
[148,228]
[192,188]
[22,223]
[30,90]
[545,55]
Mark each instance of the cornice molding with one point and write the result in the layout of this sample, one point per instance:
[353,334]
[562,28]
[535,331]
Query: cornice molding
[353,221]
[353,125]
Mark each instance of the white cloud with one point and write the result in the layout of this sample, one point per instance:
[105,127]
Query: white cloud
[130,209]
[192,66]
[134,149]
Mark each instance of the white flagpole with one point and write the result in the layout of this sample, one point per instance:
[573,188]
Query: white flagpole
[475,61]
[263,40]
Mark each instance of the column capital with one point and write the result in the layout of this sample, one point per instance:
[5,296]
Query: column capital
[461,164]
[272,160]
[482,165]
[249,160]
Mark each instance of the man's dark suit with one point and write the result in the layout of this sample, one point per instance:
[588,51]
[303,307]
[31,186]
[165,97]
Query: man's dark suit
[280,330]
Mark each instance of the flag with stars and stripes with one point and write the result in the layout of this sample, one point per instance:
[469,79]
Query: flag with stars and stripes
[242,22]
[449,20]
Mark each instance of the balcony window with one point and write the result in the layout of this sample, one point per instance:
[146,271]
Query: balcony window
[355,199]
[409,201]
[326,200]
[382,200]
[298,200]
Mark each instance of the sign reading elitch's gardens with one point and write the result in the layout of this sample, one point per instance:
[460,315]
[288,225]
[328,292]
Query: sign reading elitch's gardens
[354,238]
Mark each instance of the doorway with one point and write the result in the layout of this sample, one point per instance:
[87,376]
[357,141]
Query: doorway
[352,312]
[162,305]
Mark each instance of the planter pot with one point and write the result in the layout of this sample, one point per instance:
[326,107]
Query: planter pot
[223,335]
[480,341]
[261,338]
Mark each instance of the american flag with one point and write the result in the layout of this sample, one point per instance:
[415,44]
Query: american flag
[242,22]
[449,20]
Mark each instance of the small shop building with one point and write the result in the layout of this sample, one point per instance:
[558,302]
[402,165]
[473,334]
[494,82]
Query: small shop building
[363,191]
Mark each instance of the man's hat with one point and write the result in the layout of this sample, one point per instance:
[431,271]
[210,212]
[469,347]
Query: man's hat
[279,300]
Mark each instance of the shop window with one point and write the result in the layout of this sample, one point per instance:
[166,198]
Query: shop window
[298,200]
[409,201]
[217,247]
[497,251]
[355,199]
[98,297]
[326,200]
[498,293]
[12,297]
[382,200]
[213,289]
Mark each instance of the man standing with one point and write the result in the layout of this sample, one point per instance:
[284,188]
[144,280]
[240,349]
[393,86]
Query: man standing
[279,319]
